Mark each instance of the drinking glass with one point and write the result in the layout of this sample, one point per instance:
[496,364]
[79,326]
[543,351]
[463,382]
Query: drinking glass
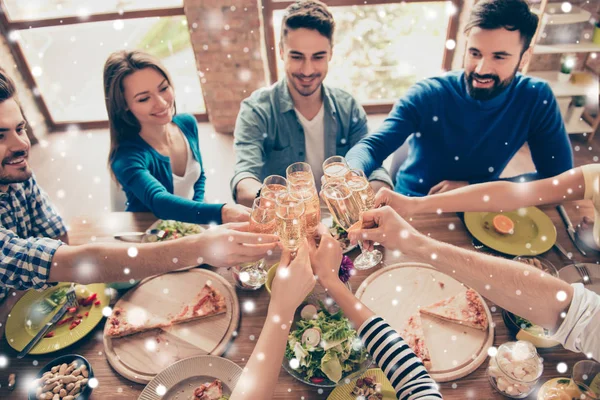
[365,196]
[299,172]
[335,168]
[347,211]
[252,276]
[273,185]
[291,224]
[306,192]
[585,379]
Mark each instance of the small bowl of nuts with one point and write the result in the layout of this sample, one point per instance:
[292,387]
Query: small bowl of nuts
[65,378]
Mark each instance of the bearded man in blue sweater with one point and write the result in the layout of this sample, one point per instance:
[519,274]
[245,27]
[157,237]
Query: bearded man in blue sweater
[464,127]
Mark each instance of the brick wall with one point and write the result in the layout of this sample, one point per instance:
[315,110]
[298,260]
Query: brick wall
[228,42]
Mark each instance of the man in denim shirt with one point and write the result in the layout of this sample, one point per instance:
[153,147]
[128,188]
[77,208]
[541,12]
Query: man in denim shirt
[298,118]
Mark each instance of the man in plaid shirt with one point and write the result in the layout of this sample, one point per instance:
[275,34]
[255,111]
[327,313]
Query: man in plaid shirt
[33,237]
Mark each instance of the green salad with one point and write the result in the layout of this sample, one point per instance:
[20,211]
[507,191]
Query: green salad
[527,326]
[176,229]
[324,346]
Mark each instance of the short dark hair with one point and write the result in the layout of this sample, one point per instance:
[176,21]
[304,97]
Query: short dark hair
[308,14]
[8,90]
[512,15]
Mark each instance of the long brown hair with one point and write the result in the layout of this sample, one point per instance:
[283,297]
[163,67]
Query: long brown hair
[123,124]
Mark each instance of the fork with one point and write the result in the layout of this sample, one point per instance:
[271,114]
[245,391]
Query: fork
[71,302]
[583,271]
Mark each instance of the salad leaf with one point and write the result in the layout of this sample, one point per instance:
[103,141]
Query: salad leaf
[334,356]
[331,367]
[175,229]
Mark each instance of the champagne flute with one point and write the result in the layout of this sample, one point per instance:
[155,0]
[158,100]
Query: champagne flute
[273,185]
[335,168]
[365,196]
[346,210]
[252,276]
[306,192]
[299,172]
[291,225]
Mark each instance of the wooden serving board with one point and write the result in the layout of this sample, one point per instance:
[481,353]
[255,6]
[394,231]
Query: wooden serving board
[396,292]
[141,356]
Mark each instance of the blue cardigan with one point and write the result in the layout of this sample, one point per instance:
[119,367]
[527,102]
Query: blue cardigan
[147,179]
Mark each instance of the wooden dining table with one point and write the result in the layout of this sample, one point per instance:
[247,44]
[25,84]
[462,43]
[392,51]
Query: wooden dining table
[111,385]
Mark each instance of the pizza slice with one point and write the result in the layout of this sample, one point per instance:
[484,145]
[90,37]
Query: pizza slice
[209,391]
[208,302]
[124,323]
[414,336]
[465,308]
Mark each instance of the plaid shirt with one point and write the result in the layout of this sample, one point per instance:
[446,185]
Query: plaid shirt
[27,223]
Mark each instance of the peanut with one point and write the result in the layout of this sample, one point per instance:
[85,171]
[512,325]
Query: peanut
[49,387]
[56,397]
[83,382]
[57,388]
[69,370]
[12,380]
[54,370]
[69,398]
[80,377]
[63,393]
[76,372]
[62,369]
[75,390]
[68,379]
[70,387]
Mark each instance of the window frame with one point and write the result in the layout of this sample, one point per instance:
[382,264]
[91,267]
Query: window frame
[8,25]
[371,107]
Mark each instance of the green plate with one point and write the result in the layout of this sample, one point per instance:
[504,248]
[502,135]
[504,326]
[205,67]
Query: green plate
[534,232]
[19,332]
[344,392]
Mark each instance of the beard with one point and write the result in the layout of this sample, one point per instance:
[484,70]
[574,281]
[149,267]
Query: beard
[488,93]
[306,91]
[22,174]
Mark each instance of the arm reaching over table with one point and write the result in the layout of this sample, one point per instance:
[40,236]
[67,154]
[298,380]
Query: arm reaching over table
[492,196]
[34,262]
[292,283]
[569,310]
[408,376]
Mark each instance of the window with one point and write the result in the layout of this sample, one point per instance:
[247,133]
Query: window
[31,10]
[65,58]
[381,50]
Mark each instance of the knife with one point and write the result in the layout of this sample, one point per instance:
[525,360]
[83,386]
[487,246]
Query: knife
[562,250]
[570,229]
[61,312]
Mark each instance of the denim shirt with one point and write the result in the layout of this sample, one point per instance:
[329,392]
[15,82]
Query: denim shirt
[269,136]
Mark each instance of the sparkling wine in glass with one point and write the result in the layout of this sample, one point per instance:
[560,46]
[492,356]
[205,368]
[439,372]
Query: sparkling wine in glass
[346,210]
[291,225]
[306,192]
[335,168]
[252,276]
[299,173]
[273,186]
[365,196]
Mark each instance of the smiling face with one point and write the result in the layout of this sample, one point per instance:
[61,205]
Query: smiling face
[149,97]
[492,61]
[14,145]
[306,55]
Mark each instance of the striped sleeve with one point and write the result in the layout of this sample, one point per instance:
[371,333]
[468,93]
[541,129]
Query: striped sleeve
[402,367]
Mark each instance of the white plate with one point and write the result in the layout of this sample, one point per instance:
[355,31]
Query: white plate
[179,380]
[571,275]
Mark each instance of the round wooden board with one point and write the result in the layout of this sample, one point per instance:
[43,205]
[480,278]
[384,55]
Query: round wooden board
[141,356]
[396,292]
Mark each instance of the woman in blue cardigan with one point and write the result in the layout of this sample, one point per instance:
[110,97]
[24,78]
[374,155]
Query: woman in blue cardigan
[154,153]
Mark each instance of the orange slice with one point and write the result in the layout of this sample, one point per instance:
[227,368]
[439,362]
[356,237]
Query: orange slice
[503,224]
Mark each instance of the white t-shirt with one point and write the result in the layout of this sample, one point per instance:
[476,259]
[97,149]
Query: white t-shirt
[314,137]
[580,330]
[591,175]
[183,186]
